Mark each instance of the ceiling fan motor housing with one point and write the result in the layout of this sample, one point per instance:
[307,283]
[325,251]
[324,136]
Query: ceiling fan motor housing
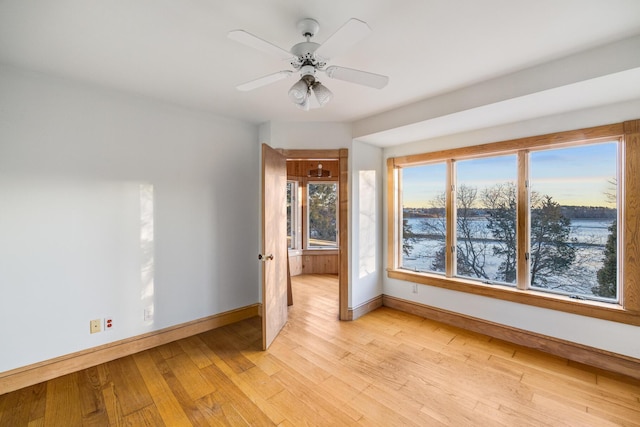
[305,49]
[304,53]
[307,70]
[308,27]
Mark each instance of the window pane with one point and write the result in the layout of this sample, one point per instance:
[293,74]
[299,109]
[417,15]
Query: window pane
[486,197]
[423,217]
[322,198]
[573,220]
[292,203]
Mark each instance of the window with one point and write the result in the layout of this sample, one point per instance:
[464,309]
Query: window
[573,233]
[322,215]
[486,218]
[424,223]
[533,221]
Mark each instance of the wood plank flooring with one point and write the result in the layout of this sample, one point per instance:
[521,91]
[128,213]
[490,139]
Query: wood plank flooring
[387,368]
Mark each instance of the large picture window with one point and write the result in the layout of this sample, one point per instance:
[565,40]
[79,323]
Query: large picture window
[533,221]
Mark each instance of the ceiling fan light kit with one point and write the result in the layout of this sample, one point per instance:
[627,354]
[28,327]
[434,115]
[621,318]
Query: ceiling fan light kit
[321,92]
[298,91]
[308,58]
[308,92]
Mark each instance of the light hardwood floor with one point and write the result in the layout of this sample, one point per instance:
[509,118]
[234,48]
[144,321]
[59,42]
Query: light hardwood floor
[386,368]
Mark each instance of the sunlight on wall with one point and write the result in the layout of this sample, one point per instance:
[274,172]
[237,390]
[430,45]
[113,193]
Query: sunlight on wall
[147,251]
[367,220]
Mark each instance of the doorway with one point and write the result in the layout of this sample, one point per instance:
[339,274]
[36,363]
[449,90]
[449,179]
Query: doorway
[315,166]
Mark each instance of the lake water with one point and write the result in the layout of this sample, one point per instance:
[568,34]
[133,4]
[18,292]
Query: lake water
[591,236]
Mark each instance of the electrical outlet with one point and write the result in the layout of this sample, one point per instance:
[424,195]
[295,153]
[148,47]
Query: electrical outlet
[108,323]
[415,288]
[94,326]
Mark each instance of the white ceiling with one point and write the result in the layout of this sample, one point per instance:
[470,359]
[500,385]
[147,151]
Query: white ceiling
[177,51]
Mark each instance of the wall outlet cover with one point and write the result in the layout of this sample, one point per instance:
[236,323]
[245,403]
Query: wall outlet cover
[94,326]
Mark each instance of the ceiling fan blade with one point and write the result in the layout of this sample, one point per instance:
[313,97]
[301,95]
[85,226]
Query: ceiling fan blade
[365,78]
[346,36]
[264,80]
[255,42]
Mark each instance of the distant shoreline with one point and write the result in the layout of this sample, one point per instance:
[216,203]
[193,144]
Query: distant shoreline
[572,212]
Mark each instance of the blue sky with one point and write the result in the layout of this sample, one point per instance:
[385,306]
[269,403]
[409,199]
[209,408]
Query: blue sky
[576,175]
[572,176]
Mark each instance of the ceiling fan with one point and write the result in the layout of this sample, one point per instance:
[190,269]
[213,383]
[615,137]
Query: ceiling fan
[309,59]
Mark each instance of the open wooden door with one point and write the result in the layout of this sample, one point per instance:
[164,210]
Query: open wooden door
[274,244]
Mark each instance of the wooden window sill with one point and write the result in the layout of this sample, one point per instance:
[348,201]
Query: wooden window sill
[318,251]
[601,310]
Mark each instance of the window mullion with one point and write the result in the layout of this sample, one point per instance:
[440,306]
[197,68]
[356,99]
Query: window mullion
[451,213]
[523,221]
[631,214]
[299,217]
[304,219]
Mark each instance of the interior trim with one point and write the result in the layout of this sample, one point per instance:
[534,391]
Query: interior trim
[591,356]
[42,371]
[596,309]
[364,308]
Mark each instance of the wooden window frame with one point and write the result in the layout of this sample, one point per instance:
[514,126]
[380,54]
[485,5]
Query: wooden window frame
[627,310]
[296,212]
[307,238]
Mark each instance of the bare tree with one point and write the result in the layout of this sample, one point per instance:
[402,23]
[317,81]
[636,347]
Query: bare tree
[500,201]
[486,226]
[472,244]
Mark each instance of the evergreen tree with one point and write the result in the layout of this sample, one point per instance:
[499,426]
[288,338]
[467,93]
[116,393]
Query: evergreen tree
[608,274]
[322,211]
[551,249]
[439,260]
[408,237]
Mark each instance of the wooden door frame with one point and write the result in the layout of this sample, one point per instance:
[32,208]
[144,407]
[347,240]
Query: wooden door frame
[342,155]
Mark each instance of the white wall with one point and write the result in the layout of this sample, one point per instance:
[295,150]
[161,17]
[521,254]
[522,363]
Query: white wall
[610,336]
[366,223]
[306,135]
[110,204]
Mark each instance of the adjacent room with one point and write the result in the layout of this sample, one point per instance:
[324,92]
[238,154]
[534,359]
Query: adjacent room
[320,212]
